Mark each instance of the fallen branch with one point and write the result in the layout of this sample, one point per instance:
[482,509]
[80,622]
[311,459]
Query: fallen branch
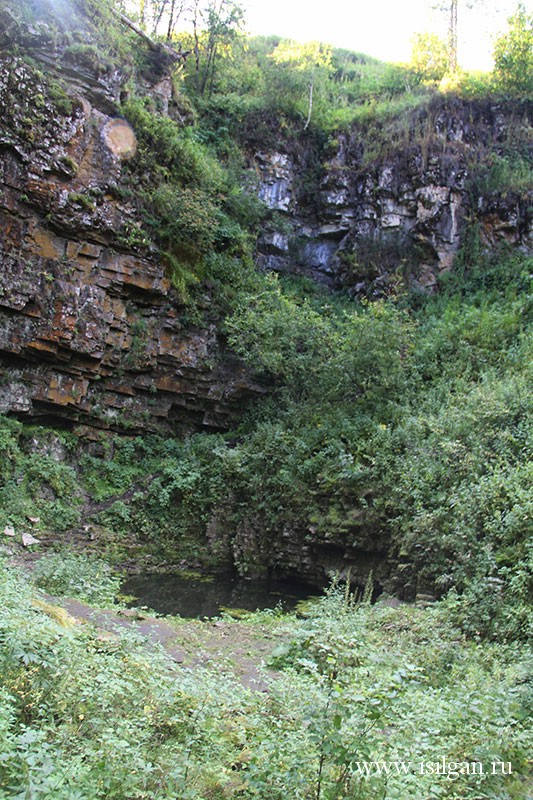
[154,46]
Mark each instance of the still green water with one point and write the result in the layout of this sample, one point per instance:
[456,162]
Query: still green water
[208,597]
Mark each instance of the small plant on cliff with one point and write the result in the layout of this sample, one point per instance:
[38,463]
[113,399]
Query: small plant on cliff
[185,221]
[87,56]
[84,201]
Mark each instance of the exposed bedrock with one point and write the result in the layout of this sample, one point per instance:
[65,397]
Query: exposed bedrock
[91,331]
[381,211]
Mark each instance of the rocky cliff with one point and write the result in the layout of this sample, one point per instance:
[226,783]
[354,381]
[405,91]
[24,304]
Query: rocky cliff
[91,330]
[94,335]
[385,204]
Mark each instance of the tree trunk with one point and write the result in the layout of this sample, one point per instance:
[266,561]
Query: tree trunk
[171,20]
[172,54]
[310,111]
[452,37]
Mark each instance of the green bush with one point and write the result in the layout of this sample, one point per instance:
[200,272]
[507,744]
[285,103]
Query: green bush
[337,356]
[34,483]
[77,575]
[170,149]
[513,54]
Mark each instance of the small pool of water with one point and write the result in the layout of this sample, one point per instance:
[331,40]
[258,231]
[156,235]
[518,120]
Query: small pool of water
[191,597]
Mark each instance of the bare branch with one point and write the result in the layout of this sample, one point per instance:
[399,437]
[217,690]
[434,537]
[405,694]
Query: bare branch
[173,55]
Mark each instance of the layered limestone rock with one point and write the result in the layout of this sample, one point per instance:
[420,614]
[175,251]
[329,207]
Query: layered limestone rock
[314,556]
[91,331]
[385,211]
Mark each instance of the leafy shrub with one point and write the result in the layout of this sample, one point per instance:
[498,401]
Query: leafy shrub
[35,483]
[429,56]
[164,145]
[77,575]
[322,356]
[513,54]
[186,220]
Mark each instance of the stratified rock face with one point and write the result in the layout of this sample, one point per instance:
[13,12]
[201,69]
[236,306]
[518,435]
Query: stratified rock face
[91,331]
[399,212]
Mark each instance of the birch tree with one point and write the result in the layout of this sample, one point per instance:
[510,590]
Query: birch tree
[216,26]
[311,60]
[451,9]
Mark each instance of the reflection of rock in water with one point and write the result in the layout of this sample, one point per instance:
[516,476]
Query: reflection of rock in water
[175,594]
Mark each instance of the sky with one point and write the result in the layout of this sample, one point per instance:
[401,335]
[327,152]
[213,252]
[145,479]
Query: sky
[381,28]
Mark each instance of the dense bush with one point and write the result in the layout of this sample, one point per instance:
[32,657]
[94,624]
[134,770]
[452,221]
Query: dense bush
[88,716]
[192,208]
[76,575]
[35,480]
[513,54]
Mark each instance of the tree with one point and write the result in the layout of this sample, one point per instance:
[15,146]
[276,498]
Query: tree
[168,12]
[429,56]
[452,37]
[513,54]
[216,27]
[451,7]
[155,16]
[171,55]
[309,60]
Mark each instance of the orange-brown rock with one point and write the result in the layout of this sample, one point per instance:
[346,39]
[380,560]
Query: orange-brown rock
[91,331]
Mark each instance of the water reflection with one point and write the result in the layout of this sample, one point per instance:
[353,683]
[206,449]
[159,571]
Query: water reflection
[190,597]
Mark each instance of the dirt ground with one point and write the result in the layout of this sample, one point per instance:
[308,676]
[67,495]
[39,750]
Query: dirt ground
[233,646]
